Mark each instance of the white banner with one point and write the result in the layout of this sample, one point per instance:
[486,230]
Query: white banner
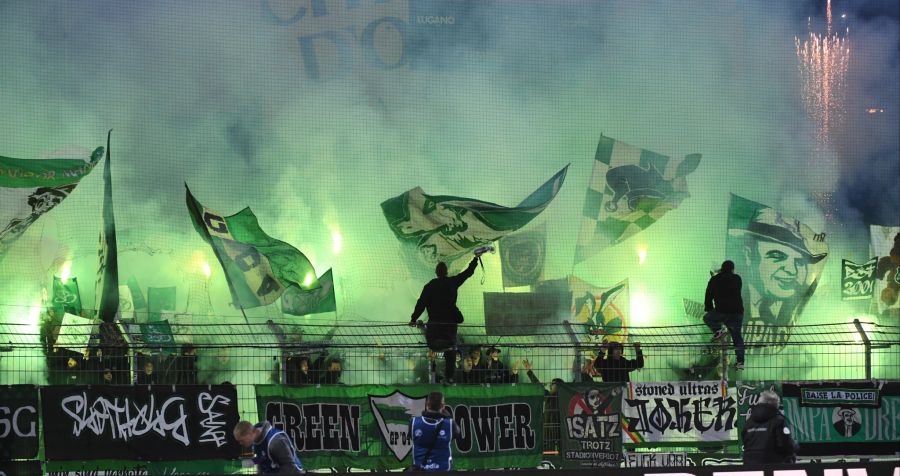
[688,413]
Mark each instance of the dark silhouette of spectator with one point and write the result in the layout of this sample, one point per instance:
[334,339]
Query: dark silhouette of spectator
[187,367]
[299,371]
[439,299]
[724,305]
[767,439]
[473,367]
[615,367]
[495,371]
[332,373]
[146,375]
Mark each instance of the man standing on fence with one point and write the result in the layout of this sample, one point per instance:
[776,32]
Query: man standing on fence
[439,298]
[724,305]
[274,452]
[767,439]
[432,434]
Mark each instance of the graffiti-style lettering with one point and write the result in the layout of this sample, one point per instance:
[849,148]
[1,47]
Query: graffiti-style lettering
[126,419]
[213,427]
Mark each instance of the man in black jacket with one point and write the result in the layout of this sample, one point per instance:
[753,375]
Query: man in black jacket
[724,305]
[439,298]
[616,368]
[767,440]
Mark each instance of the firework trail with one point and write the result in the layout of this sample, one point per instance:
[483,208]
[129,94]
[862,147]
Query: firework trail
[824,60]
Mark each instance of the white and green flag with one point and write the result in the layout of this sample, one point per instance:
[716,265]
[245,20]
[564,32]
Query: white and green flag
[630,189]
[258,268]
[30,188]
[443,227]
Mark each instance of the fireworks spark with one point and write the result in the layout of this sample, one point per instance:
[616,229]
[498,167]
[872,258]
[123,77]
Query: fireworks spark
[824,60]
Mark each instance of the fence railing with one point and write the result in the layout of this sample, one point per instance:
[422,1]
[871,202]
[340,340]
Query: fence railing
[248,354]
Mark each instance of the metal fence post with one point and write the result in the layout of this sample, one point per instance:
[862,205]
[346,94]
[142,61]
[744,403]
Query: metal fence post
[868,346]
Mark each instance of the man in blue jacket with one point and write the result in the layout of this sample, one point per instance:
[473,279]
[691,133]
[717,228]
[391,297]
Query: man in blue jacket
[274,452]
[432,434]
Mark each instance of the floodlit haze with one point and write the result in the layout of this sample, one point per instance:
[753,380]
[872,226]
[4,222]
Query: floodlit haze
[313,122]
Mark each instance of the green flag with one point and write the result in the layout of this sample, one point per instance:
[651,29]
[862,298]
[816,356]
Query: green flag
[301,302]
[137,296]
[443,228]
[630,189]
[66,298]
[106,295]
[30,188]
[159,300]
[157,334]
[258,268]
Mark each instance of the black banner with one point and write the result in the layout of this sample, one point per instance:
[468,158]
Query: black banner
[151,423]
[20,468]
[18,422]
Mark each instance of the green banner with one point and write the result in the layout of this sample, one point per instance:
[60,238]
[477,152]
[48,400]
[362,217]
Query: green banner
[590,430]
[137,296]
[158,335]
[367,426]
[159,300]
[844,418]
[301,302]
[101,467]
[66,298]
[258,268]
[748,395]
[443,228]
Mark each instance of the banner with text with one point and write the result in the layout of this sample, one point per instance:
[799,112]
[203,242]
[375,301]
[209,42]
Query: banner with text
[18,422]
[844,418]
[104,467]
[679,413]
[367,426]
[150,423]
[857,280]
[590,433]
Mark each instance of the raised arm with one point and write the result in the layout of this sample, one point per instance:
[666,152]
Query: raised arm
[638,362]
[466,273]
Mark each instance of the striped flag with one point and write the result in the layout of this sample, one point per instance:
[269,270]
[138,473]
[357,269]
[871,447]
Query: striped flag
[630,189]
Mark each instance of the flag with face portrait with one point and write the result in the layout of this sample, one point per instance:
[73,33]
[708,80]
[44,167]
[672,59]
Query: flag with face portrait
[630,189]
[522,257]
[30,188]
[885,243]
[857,280]
[443,228]
[780,260]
